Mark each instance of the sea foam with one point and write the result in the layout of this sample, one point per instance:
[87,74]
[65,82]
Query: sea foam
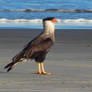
[4,20]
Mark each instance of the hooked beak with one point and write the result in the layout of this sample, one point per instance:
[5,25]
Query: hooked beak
[54,21]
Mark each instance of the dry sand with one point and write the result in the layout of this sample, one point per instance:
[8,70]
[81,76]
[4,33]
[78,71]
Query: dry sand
[70,61]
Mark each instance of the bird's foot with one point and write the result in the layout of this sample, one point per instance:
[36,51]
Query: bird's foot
[46,73]
[38,73]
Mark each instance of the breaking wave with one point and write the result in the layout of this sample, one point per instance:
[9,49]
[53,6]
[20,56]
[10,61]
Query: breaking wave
[4,20]
[48,10]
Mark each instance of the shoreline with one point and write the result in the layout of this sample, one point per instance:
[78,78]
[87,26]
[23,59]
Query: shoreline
[38,25]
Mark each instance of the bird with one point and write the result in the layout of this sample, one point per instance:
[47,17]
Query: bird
[38,48]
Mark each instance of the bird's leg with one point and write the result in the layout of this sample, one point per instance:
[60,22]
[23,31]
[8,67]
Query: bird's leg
[42,67]
[43,70]
[39,68]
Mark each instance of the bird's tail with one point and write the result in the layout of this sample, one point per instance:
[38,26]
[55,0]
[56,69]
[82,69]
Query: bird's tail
[16,59]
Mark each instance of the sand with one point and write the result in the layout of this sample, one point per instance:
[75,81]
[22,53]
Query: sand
[70,61]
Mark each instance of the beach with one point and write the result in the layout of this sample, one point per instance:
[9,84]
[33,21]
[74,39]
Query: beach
[70,61]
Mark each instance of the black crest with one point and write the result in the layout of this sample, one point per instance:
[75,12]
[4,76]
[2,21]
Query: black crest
[48,18]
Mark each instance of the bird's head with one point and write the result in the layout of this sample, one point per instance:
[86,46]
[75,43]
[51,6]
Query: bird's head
[48,24]
[50,19]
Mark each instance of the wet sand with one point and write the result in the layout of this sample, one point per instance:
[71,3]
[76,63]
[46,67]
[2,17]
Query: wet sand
[70,61]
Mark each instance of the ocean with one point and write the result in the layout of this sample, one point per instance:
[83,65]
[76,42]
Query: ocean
[29,13]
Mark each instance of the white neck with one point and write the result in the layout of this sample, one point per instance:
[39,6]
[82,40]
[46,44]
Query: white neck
[48,27]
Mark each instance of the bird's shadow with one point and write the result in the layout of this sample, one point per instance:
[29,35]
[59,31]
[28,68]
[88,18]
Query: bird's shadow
[2,72]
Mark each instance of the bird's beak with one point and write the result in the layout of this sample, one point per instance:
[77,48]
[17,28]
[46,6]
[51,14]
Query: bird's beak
[54,21]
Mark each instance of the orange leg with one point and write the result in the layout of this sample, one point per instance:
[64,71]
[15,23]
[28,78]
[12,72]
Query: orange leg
[43,70]
[39,68]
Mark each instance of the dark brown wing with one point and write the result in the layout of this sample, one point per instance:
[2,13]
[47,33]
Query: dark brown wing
[41,43]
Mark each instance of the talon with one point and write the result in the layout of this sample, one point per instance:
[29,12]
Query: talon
[46,73]
[38,73]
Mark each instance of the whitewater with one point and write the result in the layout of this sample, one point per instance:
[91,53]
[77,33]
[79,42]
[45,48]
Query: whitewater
[29,13]
[4,20]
